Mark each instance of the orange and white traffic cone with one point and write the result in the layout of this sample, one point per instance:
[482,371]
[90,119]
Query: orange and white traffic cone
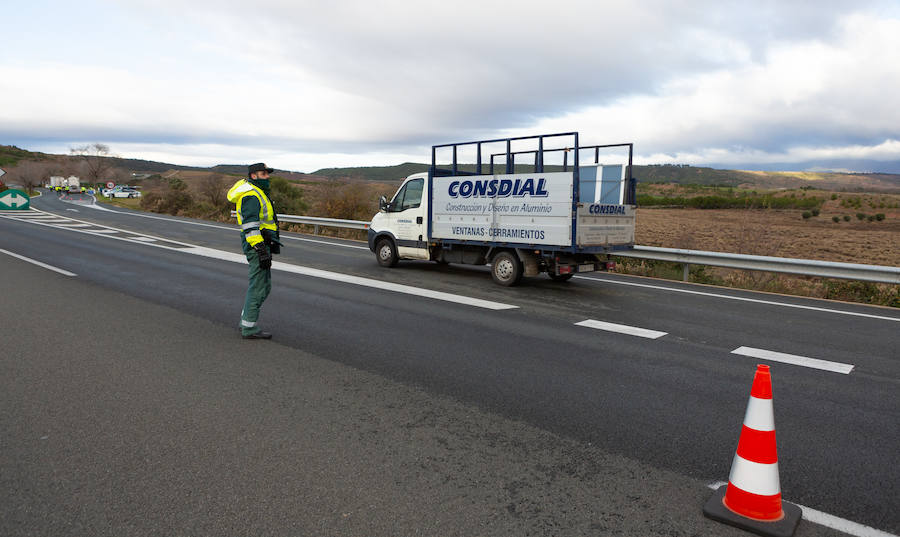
[752,499]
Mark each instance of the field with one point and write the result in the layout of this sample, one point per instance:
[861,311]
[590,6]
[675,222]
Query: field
[772,232]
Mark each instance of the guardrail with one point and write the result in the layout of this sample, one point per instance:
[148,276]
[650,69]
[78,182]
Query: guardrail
[318,221]
[803,267]
[787,265]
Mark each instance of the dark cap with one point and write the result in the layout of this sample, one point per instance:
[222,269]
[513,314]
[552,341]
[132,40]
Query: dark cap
[259,167]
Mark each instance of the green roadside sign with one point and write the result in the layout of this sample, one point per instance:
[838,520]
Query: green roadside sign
[14,200]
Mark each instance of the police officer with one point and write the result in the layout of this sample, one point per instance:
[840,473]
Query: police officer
[259,240]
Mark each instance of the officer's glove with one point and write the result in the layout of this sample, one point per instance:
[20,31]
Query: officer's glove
[265,257]
[271,239]
[275,247]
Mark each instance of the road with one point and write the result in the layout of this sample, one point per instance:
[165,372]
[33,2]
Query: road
[669,407]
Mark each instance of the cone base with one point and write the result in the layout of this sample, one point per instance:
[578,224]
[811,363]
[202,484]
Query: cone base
[784,527]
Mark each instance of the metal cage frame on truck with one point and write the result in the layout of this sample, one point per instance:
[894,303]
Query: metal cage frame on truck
[455,170]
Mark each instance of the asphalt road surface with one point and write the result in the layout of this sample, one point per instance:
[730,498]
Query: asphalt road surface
[131,405]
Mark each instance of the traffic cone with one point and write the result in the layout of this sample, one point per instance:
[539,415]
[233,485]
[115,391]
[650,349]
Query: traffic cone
[752,499]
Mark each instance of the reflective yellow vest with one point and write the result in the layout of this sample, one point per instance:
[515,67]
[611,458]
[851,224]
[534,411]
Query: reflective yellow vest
[251,226]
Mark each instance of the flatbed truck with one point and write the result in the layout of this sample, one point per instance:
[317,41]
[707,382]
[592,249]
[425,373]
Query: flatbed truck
[522,219]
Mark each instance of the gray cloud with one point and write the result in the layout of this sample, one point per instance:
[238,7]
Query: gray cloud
[679,79]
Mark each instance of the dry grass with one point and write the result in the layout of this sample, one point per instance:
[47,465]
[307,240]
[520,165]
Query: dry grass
[780,233]
[774,232]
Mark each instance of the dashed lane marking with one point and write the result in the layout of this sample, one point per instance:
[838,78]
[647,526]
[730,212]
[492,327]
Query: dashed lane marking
[744,299]
[38,263]
[622,329]
[814,363]
[226,228]
[98,230]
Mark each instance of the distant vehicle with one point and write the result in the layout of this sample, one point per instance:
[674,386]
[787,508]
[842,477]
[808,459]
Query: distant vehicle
[125,193]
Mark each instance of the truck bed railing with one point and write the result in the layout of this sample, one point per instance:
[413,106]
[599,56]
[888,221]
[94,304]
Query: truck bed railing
[455,168]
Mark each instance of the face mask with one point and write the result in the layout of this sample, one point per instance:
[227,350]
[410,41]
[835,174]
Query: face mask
[261,183]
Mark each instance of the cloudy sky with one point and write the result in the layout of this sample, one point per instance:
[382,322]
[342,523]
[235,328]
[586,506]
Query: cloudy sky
[309,84]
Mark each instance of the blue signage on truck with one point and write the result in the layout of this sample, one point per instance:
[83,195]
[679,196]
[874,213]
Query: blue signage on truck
[501,188]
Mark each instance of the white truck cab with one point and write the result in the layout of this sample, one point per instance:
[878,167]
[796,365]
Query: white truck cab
[403,220]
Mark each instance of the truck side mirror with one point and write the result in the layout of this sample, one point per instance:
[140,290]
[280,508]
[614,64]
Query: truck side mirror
[383,203]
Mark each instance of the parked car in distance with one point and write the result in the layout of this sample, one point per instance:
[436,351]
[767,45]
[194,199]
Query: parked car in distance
[125,193]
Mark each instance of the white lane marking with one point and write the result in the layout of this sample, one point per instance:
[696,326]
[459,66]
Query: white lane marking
[38,263]
[355,280]
[829,521]
[233,228]
[32,213]
[76,224]
[103,230]
[622,329]
[144,239]
[138,238]
[100,208]
[815,363]
[755,300]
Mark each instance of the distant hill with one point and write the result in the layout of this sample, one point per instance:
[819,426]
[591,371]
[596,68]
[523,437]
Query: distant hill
[665,173]
[10,155]
[768,180]
[374,173]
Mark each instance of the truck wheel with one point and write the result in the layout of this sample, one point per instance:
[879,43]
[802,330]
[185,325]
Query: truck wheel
[561,277]
[386,252]
[506,269]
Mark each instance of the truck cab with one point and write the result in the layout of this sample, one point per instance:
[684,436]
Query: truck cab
[402,222]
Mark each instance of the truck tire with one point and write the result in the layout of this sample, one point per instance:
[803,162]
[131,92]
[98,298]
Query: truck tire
[506,269]
[561,277]
[386,252]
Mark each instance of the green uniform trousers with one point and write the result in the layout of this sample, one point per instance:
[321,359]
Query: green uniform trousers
[257,291]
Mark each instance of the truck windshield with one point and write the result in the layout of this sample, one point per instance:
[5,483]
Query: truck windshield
[410,196]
